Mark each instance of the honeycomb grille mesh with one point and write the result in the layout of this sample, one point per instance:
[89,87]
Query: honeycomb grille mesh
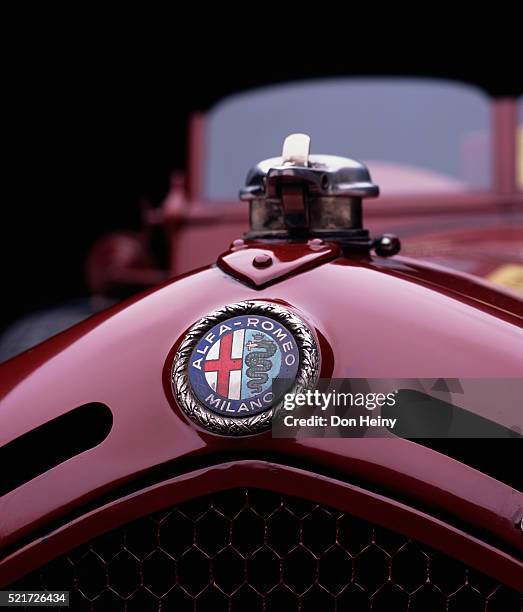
[248,550]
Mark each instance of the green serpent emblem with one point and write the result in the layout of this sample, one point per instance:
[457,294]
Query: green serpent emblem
[258,362]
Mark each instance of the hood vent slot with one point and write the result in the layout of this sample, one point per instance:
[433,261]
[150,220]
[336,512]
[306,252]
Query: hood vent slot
[52,443]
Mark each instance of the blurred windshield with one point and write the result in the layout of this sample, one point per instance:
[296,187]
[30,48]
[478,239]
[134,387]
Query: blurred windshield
[519,155]
[417,135]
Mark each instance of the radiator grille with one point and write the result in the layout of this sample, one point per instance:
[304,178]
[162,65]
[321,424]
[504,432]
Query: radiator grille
[248,550]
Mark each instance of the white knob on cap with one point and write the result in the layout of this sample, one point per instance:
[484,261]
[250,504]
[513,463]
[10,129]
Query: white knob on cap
[296,149]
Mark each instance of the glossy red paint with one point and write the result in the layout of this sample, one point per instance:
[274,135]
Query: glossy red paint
[279,478]
[275,261]
[393,318]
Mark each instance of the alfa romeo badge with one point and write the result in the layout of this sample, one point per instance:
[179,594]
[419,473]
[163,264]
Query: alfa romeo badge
[223,371]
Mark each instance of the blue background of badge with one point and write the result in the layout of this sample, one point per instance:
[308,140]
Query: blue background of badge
[197,377]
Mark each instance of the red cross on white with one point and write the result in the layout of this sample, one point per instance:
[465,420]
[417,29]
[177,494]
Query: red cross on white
[223,365]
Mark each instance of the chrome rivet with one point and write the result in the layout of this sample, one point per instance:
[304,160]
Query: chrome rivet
[316,242]
[262,261]
[236,244]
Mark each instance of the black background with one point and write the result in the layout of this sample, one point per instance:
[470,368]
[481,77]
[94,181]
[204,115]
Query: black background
[97,118]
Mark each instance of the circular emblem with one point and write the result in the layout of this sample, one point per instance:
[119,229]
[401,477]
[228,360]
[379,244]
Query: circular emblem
[224,370]
[232,366]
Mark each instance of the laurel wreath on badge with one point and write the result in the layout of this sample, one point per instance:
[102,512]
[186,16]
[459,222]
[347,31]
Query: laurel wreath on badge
[223,370]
